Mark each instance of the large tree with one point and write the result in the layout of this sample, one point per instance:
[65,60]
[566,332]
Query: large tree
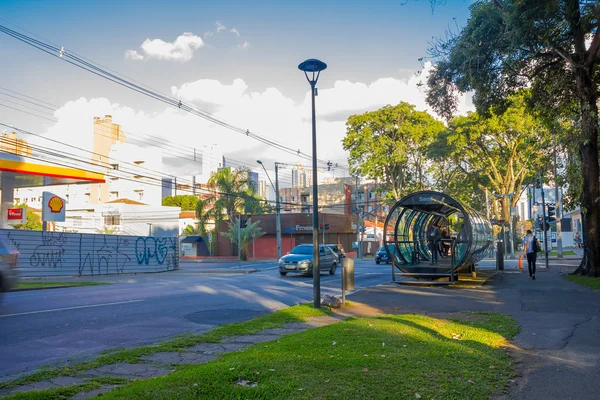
[498,151]
[551,46]
[389,145]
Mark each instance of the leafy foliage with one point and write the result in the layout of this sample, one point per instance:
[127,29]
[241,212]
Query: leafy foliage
[186,202]
[245,234]
[551,47]
[388,145]
[33,223]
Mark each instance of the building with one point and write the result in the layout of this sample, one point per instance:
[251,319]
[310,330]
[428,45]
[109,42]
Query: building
[9,143]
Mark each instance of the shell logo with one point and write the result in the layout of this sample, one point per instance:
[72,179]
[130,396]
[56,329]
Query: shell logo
[56,204]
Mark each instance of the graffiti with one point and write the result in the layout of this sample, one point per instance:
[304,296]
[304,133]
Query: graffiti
[50,253]
[147,248]
[100,260]
[72,254]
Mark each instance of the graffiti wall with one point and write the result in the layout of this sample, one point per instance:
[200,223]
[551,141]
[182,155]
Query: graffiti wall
[75,254]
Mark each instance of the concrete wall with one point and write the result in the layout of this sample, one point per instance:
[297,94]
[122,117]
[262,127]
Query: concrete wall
[77,254]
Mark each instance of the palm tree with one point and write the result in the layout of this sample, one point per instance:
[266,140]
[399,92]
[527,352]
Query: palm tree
[250,232]
[231,197]
[203,214]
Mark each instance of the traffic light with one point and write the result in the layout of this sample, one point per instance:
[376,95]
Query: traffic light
[321,226]
[551,213]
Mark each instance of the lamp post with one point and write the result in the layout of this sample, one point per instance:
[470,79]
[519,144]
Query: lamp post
[314,67]
[277,205]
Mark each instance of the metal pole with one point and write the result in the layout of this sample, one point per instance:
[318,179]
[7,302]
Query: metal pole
[240,241]
[316,269]
[511,228]
[149,229]
[544,221]
[361,234]
[558,210]
[278,211]
[323,219]
[534,215]
[356,210]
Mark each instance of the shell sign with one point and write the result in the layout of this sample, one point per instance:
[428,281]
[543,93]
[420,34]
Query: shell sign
[56,204]
[53,207]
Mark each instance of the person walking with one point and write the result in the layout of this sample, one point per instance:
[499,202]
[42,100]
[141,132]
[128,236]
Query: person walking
[529,250]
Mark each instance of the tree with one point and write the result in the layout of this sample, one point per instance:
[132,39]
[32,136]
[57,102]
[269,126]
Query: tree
[186,202]
[389,145]
[551,46]
[246,234]
[33,223]
[498,151]
[191,230]
[203,214]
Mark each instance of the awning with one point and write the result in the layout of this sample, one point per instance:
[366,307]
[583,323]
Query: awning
[30,173]
[192,239]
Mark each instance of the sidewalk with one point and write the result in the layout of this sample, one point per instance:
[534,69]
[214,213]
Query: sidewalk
[556,352]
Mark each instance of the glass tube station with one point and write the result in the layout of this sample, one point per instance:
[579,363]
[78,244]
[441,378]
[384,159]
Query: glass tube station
[466,237]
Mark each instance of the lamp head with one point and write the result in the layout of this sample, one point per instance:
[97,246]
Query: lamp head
[312,65]
[258,161]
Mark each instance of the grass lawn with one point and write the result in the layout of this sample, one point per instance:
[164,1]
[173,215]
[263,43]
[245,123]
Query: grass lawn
[69,391]
[594,283]
[49,285]
[393,356]
[277,319]
[565,253]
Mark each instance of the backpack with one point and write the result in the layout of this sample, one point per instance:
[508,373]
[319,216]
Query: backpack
[535,245]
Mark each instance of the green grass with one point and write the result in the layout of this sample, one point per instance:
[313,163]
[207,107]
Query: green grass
[565,253]
[48,285]
[594,283]
[67,392]
[384,357]
[277,319]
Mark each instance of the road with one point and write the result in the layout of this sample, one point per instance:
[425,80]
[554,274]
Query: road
[43,327]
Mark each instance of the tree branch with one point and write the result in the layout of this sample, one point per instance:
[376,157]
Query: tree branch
[594,47]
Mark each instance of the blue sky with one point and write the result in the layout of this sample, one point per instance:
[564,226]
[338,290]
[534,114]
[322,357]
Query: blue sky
[361,41]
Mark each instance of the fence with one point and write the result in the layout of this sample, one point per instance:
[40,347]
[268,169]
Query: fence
[77,254]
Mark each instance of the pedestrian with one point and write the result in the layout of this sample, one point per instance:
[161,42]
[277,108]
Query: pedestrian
[445,243]
[578,240]
[530,252]
[434,242]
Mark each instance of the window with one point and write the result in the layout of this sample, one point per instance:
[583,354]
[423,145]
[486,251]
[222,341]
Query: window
[17,200]
[112,219]
[141,194]
[113,196]
[115,166]
[76,221]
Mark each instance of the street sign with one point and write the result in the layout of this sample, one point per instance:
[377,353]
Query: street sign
[53,207]
[17,216]
[210,237]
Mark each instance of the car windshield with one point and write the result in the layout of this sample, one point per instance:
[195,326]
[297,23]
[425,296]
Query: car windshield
[382,248]
[302,250]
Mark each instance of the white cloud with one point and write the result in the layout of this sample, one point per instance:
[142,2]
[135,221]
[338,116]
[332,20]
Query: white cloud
[235,31]
[269,113]
[134,55]
[220,27]
[208,33]
[244,45]
[182,49]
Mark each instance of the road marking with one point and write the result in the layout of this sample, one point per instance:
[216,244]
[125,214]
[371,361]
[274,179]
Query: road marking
[70,308]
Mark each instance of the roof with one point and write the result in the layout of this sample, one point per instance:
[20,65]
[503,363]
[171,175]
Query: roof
[187,214]
[126,201]
[53,174]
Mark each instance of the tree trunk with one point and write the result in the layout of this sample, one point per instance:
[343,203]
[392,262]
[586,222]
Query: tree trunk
[590,169]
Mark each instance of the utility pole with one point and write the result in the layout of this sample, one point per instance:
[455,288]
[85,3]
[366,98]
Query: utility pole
[558,200]
[240,241]
[278,211]
[544,220]
[357,220]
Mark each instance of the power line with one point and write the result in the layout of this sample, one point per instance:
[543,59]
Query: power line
[94,68]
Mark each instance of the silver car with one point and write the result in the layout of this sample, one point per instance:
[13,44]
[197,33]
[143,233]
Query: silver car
[300,260]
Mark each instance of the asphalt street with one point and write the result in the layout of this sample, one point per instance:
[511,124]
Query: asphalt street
[44,327]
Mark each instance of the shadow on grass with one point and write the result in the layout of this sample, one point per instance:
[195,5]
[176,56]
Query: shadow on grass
[383,357]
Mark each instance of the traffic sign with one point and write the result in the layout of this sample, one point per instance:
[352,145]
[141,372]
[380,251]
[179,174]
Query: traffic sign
[210,237]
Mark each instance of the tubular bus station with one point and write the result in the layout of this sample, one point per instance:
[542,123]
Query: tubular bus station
[466,239]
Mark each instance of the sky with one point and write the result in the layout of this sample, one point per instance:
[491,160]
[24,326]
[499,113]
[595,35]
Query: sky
[237,60]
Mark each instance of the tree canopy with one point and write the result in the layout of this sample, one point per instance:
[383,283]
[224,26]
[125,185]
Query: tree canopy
[388,145]
[550,46]
[186,202]
[33,223]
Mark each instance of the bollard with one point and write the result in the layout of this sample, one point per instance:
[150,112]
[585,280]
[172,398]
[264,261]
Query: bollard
[347,277]
[500,255]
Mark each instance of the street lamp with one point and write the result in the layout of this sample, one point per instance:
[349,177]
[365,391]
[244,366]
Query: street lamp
[314,67]
[277,206]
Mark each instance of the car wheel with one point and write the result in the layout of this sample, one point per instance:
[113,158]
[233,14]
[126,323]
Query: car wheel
[377,262]
[332,270]
[282,273]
